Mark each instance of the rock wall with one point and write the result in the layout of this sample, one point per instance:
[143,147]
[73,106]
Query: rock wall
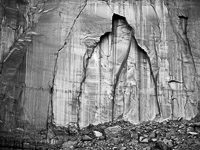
[12,63]
[94,61]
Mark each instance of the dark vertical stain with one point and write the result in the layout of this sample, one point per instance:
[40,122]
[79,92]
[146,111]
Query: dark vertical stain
[139,85]
[87,56]
[181,33]
[100,75]
[116,20]
[50,115]
[153,77]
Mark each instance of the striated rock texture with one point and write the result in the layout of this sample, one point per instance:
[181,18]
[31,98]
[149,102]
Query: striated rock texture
[92,61]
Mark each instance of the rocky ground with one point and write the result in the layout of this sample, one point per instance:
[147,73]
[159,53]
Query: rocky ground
[118,135]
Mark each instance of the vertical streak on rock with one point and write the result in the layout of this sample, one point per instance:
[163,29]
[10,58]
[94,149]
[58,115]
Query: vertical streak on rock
[184,37]
[100,76]
[152,75]
[154,45]
[115,24]
[153,6]
[118,74]
[113,64]
[155,84]
[2,56]
[88,54]
[50,115]
[2,11]
[181,33]
[183,80]
[139,86]
[155,76]
[2,15]
[141,55]
[172,105]
[113,49]
[178,37]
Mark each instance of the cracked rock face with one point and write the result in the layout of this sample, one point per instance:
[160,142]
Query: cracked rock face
[95,61]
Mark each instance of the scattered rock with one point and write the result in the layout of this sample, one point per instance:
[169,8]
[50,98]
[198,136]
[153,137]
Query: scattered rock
[86,138]
[68,144]
[193,133]
[72,128]
[123,148]
[112,131]
[169,134]
[154,139]
[152,135]
[143,140]
[114,140]
[190,129]
[20,129]
[147,148]
[98,134]
[120,135]
[115,148]
[196,124]
[134,135]
[168,142]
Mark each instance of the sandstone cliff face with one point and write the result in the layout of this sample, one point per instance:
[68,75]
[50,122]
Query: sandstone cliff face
[94,61]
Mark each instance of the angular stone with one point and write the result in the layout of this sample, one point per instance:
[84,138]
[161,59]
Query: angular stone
[114,148]
[152,135]
[169,134]
[190,129]
[68,144]
[154,139]
[112,131]
[123,148]
[147,148]
[86,138]
[134,135]
[196,124]
[143,139]
[168,142]
[115,141]
[193,133]
[97,134]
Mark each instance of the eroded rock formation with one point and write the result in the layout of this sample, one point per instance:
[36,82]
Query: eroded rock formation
[92,61]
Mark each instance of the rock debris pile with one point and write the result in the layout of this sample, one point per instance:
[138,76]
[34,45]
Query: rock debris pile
[122,135]
[118,135]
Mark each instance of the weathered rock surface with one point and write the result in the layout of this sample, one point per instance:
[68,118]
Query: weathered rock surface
[93,61]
